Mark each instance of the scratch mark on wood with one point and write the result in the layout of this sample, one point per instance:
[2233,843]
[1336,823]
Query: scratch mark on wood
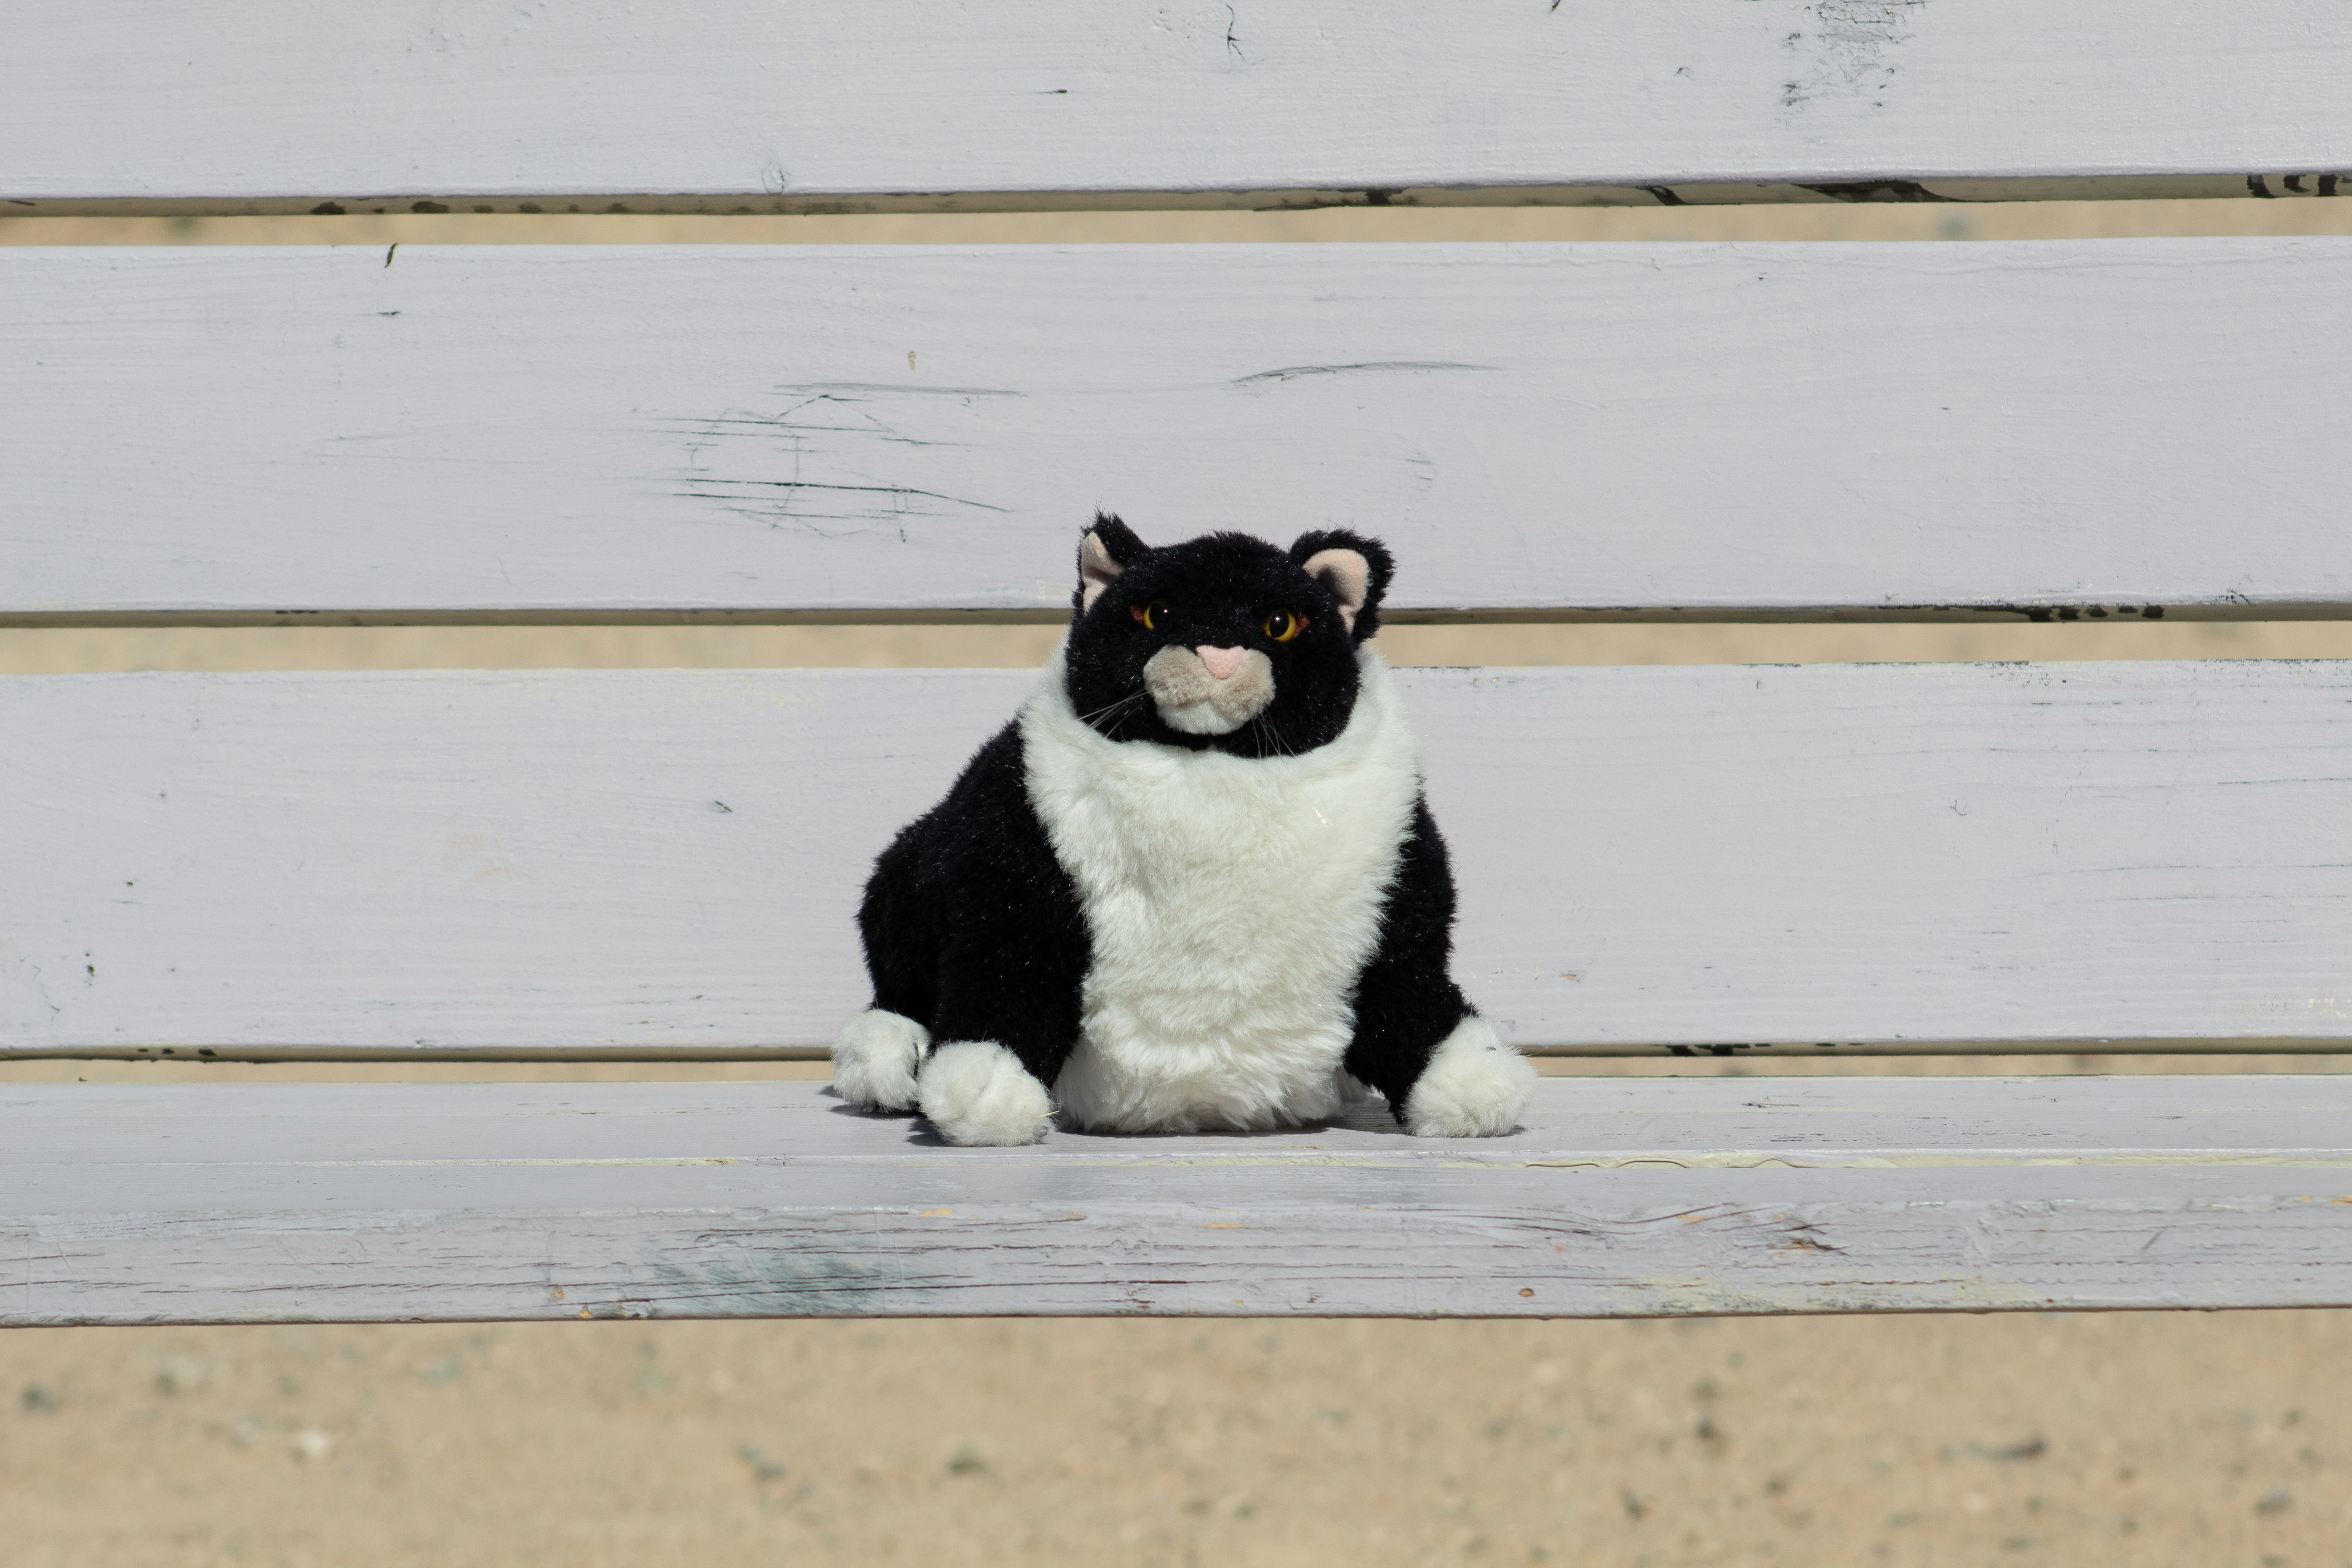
[1366,367]
[826,440]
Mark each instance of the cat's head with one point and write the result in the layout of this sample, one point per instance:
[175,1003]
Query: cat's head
[1222,642]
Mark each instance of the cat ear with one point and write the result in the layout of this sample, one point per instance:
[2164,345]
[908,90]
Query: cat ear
[1103,555]
[1352,569]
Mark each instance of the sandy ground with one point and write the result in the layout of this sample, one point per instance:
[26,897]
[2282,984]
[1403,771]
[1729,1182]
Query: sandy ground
[2148,1438]
[2153,1438]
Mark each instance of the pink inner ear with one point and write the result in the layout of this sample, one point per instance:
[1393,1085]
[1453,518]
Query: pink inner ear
[1095,571]
[1349,577]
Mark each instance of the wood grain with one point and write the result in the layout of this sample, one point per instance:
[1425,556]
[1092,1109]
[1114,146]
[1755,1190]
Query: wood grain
[746,105]
[1619,1198]
[667,862]
[500,433]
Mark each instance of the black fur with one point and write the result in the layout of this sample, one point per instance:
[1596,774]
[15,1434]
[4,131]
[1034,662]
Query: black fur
[973,929]
[1405,1001]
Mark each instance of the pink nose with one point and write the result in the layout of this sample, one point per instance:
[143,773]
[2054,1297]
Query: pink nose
[1222,661]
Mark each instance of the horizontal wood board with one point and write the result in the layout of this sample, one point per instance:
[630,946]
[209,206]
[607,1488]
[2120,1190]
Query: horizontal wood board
[1618,1198]
[744,104]
[667,862]
[517,433]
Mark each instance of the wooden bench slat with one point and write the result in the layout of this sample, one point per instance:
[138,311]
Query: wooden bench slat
[504,433]
[667,862]
[1619,1198]
[748,105]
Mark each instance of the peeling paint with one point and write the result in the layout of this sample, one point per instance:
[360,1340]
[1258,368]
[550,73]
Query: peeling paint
[1844,54]
[770,1277]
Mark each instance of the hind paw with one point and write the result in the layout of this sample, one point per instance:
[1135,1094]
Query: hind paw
[1473,1086]
[875,1059]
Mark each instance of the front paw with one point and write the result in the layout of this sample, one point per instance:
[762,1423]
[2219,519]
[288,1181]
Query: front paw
[977,1093]
[874,1059]
[1473,1086]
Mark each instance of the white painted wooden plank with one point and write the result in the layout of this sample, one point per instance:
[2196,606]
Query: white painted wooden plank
[1720,429]
[749,105]
[668,861]
[242,1132]
[1623,1198]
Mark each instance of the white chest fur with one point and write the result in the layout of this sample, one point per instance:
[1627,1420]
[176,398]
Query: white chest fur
[1231,905]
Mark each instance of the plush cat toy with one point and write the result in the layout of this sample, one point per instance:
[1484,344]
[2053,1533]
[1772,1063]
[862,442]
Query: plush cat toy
[1192,886]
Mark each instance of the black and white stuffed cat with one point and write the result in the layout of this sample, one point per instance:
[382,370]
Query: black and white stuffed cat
[1193,885]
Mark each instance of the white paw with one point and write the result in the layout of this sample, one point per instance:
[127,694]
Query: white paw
[874,1059]
[977,1093]
[1474,1086]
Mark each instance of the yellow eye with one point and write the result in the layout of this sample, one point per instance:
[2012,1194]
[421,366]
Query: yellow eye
[1151,616]
[1282,626]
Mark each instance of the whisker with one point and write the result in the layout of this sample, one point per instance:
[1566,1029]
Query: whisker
[1111,707]
[1115,715]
